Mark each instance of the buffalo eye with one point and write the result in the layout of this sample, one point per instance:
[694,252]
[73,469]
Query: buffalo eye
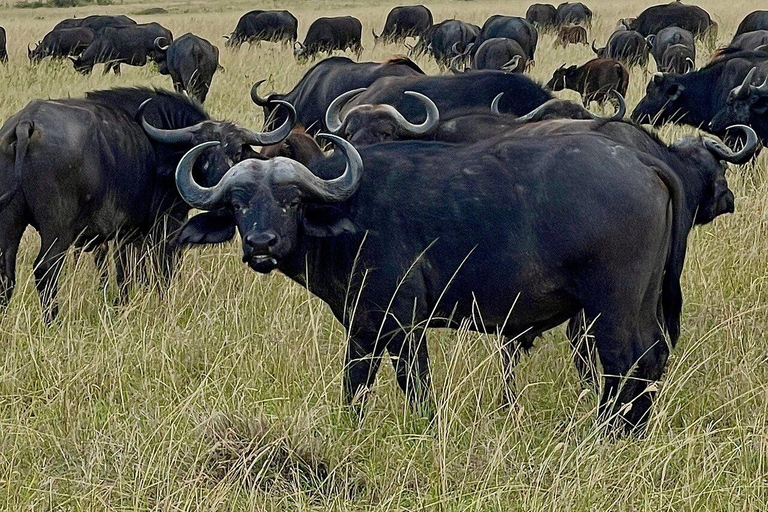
[673,91]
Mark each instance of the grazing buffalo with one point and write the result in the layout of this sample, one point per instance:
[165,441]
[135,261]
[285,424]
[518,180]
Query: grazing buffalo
[594,80]
[694,98]
[3,49]
[674,50]
[756,40]
[329,34]
[325,81]
[626,46]
[510,27]
[61,43]
[498,53]
[191,62]
[454,94]
[747,104]
[571,34]
[444,40]
[402,236]
[404,21]
[96,22]
[542,16]
[756,20]
[257,26]
[84,171]
[575,13]
[692,18]
[130,45]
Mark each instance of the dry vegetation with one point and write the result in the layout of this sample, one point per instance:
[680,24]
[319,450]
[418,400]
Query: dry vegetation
[225,394]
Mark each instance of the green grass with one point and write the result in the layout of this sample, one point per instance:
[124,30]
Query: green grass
[225,394]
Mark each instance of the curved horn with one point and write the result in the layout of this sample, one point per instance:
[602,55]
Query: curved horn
[624,22]
[258,100]
[159,46]
[337,189]
[723,152]
[690,65]
[375,37]
[429,124]
[594,49]
[276,135]
[658,77]
[495,104]
[178,136]
[762,48]
[455,49]
[512,65]
[650,39]
[621,108]
[196,196]
[763,88]
[333,120]
[741,92]
[454,66]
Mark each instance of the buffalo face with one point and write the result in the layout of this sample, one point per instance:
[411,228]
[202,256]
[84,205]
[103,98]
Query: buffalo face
[744,103]
[661,101]
[562,77]
[82,66]
[267,199]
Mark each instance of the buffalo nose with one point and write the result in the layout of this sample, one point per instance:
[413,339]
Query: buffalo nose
[261,242]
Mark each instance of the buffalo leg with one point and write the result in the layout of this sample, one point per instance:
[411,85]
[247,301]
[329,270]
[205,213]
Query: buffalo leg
[165,254]
[13,222]
[126,267]
[411,362]
[48,265]
[583,350]
[361,364]
[101,260]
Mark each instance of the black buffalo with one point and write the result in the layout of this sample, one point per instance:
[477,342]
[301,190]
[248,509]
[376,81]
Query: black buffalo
[692,18]
[256,26]
[408,235]
[329,34]
[502,54]
[510,27]
[84,171]
[750,41]
[444,40]
[747,104]
[756,20]
[191,62]
[595,80]
[96,22]
[542,16]
[627,46]
[573,12]
[324,82]
[694,98]
[404,21]
[61,43]
[130,45]
[455,93]
[3,49]
[674,50]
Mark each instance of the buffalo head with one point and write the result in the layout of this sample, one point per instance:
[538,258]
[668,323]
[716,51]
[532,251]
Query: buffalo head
[267,199]
[84,67]
[744,102]
[661,101]
[562,77]
[368,124]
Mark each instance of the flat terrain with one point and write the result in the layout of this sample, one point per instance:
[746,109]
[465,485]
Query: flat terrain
[225,395]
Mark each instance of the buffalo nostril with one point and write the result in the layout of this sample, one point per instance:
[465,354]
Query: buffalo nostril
[261,240]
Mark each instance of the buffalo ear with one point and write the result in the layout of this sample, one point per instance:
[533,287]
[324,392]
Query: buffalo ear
[760,106]
[214,227]
[326,221]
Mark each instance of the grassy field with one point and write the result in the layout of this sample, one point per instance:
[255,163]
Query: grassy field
[226,394]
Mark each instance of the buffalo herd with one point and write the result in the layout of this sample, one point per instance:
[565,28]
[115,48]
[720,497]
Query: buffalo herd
[470,199]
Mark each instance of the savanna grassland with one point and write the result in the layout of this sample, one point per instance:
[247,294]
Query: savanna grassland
[225,393]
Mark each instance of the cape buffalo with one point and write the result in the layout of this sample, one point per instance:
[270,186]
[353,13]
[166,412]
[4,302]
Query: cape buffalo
[626,46]
[756,20]
[498,53]
[329,34]
[510,27]
[404,21]
[750,41]
[542,16]
[571,34]
[131,45]
[594,80]
[84,171]
[446,38]
[674,50]
[574,12]
[3,50]
[96,22]
[694,98]
[324,82]
[408,235]
[191,61]
[747,104]
[692,18]
[61,43]
[256,26]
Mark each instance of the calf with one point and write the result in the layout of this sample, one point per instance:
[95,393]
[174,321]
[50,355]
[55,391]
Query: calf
[571,34]
[594,80]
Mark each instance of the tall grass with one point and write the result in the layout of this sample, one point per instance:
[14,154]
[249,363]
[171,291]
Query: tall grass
[225,393]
